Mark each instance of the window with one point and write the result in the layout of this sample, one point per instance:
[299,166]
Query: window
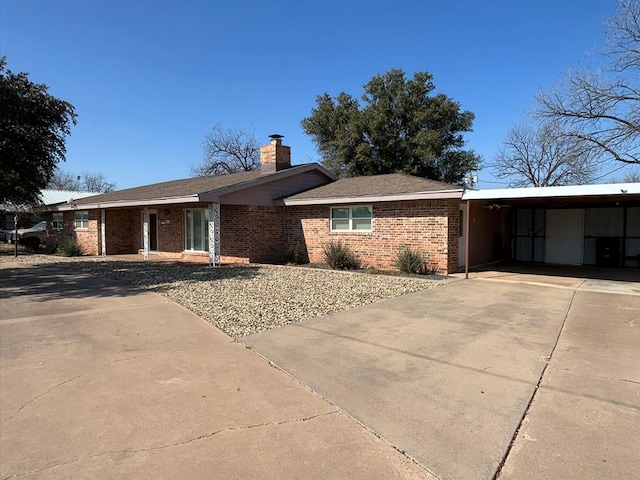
[196,230]
[81,219]
[351,219]
[57,221]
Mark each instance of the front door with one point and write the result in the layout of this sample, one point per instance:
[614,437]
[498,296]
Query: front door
[153,232]
[564,236]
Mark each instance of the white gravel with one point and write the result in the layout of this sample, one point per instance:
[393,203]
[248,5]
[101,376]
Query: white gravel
[241,300]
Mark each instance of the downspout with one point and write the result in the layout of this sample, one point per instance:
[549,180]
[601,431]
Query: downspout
[466,240]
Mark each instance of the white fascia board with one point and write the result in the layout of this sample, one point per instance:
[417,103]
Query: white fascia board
[437,195]
[553,192]
[125,203]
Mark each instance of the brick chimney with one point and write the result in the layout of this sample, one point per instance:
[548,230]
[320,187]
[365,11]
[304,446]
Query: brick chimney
[275,156]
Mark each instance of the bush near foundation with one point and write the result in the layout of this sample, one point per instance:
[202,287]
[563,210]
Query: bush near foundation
[340,257]
[411,261]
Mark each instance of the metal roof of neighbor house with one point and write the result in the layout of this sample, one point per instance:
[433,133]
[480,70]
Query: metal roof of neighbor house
[51,197]
[389,187]
[608,189]
[198,189]
[47,197]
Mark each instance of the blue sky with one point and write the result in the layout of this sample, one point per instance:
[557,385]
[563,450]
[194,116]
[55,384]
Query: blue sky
[150,78]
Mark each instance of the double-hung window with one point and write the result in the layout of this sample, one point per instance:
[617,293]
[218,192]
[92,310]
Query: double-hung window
[81,219]
[351,219]
[57,221]
[196,230]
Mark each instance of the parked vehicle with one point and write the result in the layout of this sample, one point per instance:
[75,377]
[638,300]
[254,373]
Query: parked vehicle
[31,237]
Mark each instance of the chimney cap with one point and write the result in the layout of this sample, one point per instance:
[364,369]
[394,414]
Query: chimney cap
[276,136]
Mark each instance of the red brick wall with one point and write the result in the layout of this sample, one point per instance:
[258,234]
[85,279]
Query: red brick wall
[262,234]
[428,226]
[89,239]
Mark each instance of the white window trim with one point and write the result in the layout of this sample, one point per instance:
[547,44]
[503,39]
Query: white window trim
[351,218]
[75,221]
[204,227]
[57,224]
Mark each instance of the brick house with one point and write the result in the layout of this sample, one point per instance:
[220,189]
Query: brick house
[258,216]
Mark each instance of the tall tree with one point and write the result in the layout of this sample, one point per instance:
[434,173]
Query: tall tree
[400,127]
[228,151]
[87,182]
[603,107]
[33,127]
[543,156]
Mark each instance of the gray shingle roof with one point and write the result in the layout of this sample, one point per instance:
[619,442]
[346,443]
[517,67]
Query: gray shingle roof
[377,185]
[177,188]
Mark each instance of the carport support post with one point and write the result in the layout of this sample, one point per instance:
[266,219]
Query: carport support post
[214,234]
[103,229]
[466,240]
[145,233]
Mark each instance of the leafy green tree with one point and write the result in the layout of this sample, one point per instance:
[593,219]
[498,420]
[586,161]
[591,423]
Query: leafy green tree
[400,127]
[33,126]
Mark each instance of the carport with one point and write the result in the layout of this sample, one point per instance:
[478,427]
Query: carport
[596,225]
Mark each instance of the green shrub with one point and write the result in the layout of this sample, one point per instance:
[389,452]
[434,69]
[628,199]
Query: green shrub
[291,256]
[410,261]
[340,257]
[71,249]
[50,247]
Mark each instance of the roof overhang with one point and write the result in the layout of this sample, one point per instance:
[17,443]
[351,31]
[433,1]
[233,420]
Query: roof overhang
[435,195]
[125,203]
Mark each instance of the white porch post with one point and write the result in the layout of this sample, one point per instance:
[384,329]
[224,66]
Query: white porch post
[214,234]
[145,232]
[103,230]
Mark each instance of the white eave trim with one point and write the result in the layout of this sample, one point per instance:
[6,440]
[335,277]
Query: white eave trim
[437,195]
[126,203]
[610,189]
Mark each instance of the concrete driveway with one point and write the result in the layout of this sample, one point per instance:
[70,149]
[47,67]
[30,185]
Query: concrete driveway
[98,380]
[516,377]
[511,376]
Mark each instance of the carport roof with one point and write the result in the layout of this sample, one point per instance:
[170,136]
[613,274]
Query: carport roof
[622,190]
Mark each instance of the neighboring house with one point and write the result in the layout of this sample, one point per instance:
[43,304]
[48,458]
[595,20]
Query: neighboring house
[258,216]
[28,215]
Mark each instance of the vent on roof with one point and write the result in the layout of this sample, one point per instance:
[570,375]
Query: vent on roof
[275,156]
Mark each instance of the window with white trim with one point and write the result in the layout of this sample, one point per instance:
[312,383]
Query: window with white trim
[196,230]
[57,221]
[81,219]
[351,219]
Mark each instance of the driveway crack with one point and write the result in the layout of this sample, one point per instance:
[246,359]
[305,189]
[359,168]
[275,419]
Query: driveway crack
[175,444]
[523,420]
[39,396]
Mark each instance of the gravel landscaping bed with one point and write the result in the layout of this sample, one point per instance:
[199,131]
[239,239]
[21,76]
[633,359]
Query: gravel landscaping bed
[241,300]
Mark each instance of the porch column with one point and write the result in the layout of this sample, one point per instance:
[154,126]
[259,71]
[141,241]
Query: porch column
[145,233]
[214,234]
[466,240]
[103,229]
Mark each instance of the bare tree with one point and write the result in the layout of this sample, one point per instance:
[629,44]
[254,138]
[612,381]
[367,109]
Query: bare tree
[228,151]
[632,176]
[603,107]
[96,182]
[543,156]
[62,180]
[87,182]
